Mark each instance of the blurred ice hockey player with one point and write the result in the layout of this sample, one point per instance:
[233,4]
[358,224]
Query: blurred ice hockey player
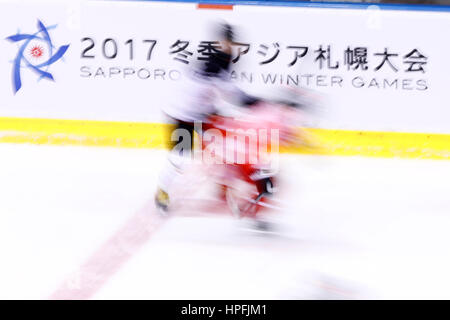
[196,101]
[248,178]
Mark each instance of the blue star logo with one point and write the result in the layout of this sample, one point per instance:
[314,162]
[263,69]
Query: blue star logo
[22,61]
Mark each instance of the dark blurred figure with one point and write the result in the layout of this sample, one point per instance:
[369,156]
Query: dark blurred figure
[196,101]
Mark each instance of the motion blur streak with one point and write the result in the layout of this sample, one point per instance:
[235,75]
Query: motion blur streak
[153,135]
[93,274]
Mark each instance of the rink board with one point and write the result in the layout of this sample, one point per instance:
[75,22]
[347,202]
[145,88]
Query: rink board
[120,70]
[154,135]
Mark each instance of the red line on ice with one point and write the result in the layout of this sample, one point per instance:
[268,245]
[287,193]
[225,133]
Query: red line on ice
[107,260]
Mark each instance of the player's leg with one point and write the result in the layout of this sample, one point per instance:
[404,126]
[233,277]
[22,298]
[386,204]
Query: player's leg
[180,144]
[250,191]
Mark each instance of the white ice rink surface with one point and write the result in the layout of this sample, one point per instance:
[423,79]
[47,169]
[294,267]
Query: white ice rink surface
[352,228]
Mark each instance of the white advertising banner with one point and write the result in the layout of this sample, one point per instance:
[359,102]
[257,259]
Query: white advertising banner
[123,61]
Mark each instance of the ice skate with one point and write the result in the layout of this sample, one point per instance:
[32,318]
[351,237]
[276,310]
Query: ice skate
[162,201]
